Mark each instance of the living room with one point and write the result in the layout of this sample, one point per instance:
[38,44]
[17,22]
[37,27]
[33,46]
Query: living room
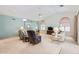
[39,29]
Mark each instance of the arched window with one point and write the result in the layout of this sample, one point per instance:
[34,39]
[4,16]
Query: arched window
[43,27]
[64,24]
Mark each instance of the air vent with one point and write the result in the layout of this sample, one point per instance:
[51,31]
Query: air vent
[13,19]
[61,5]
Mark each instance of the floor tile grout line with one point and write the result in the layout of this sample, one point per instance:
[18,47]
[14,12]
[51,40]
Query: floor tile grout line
[60,51]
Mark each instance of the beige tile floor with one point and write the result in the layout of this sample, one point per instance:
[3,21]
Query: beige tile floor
[15,46]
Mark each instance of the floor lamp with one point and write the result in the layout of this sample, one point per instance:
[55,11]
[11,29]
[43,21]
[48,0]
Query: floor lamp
[24,20]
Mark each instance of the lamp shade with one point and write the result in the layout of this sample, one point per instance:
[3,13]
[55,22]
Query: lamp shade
[24,19]
[21,27]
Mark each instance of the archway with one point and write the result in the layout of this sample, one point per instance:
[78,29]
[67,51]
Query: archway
[64,25]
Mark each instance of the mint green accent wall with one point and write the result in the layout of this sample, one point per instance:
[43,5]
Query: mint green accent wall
[32,24]
[9,27]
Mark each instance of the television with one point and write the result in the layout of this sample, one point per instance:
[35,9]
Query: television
[50,28]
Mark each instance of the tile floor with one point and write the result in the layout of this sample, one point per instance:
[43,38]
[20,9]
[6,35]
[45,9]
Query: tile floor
[15,46]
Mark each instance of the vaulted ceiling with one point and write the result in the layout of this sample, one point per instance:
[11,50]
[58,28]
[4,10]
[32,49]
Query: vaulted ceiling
[34,11]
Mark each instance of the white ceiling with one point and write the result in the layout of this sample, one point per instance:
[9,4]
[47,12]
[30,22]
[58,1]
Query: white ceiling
[31,11]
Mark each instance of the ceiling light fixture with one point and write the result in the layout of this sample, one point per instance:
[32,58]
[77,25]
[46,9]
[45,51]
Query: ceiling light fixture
[39,14]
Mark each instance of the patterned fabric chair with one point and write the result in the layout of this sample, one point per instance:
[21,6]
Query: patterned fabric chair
[23,36]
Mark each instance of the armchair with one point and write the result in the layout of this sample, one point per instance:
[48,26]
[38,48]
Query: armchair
[23,36]
[33,38]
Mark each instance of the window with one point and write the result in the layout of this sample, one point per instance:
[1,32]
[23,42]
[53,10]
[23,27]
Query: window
[65,24]
[64,28]
[43,27]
